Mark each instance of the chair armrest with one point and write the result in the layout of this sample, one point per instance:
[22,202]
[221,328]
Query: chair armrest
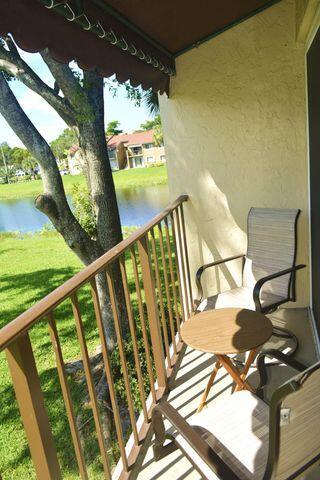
[208,265]
[263,280]
[205,452]
[278,355]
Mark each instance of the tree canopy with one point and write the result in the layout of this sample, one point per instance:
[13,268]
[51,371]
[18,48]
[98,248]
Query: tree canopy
[113,128]
[155,125]
[61,145]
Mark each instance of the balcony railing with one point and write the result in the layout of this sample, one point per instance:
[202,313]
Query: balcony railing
[154,271]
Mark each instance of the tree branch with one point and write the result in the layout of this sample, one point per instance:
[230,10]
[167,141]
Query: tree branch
[66,80]
[53,203]
[12,63]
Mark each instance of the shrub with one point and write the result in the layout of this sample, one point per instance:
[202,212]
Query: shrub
[83,209]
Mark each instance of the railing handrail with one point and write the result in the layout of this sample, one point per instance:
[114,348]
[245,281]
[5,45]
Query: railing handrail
[27,319]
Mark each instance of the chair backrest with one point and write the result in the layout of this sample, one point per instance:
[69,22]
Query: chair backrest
[271,247]
[295,426]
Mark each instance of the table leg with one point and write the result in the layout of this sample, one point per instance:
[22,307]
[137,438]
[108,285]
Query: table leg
[234,372]
[250,359]
[205,394]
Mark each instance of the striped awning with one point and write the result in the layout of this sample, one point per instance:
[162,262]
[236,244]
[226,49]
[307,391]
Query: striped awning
[137,40]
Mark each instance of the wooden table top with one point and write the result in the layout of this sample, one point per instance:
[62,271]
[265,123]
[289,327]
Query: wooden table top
[226,330]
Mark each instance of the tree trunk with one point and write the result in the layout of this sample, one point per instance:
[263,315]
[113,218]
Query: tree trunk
[82,108]
[53,202]
[101,185]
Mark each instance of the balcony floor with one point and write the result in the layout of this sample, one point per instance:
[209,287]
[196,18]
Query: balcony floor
[190,379]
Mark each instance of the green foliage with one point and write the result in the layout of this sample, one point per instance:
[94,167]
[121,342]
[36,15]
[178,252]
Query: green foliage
[151,101]
[22,159]
[13,159]
[6,150]
[148,125]
[7,167]
[113,128]
[134,94]
[61,145]
[83,209]
[19,156]
[154,124]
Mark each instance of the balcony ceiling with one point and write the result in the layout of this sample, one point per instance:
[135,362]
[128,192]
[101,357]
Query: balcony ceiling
[138,40]
[180,24]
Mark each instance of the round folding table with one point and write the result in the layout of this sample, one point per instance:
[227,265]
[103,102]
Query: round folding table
[224,332]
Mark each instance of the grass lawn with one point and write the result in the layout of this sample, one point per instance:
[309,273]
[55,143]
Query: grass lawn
[136,177]
[31,267]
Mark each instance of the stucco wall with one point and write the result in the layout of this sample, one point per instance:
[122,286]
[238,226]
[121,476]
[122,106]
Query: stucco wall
[235,137]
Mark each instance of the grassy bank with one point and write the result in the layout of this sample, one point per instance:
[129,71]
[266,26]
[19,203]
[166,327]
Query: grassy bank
[138,177]
[31,267]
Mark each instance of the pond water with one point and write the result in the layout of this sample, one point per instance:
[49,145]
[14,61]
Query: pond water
[136,206]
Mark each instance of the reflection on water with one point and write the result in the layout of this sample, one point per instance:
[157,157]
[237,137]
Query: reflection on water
[136,205]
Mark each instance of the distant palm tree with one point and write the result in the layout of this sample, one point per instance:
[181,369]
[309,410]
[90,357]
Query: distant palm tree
[151,102]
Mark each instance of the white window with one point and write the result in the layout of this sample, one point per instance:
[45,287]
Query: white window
[148,145]
[150,159]
[162,158]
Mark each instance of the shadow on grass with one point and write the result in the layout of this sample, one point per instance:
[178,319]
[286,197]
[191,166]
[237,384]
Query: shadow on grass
[29,288]
[20,291]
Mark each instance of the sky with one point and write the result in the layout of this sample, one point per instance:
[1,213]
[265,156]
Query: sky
[48,121]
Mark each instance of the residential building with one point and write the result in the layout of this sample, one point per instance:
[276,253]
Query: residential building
[134,150]
[127,150]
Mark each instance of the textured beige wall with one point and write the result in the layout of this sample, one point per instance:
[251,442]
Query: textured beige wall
[307,12]
[301,8]
[235,137]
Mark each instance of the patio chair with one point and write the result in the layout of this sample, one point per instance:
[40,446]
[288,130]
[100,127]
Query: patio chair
[268,273]
[242,438]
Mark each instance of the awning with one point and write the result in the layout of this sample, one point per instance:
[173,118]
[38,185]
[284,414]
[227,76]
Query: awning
[138,40]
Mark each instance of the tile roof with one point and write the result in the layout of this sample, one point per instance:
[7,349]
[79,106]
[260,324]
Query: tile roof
[131,138]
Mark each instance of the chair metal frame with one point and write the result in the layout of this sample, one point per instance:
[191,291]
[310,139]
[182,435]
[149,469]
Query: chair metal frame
[202,448]
[291,295]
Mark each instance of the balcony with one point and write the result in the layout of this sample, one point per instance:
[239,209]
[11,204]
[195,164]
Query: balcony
[150,364]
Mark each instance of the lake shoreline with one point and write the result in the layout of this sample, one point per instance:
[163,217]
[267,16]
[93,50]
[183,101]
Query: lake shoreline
[136,207]
[133,178]
[51,232]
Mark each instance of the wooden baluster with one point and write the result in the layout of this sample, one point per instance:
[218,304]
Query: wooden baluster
[124,367]
[180,266]
[173,280]
[167,289]
[158,282]
[177,267]
[143,325]
[152,309]
[186,256]
[90,383]
[134,337]
[67,397]
[109,375]
[35,419]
